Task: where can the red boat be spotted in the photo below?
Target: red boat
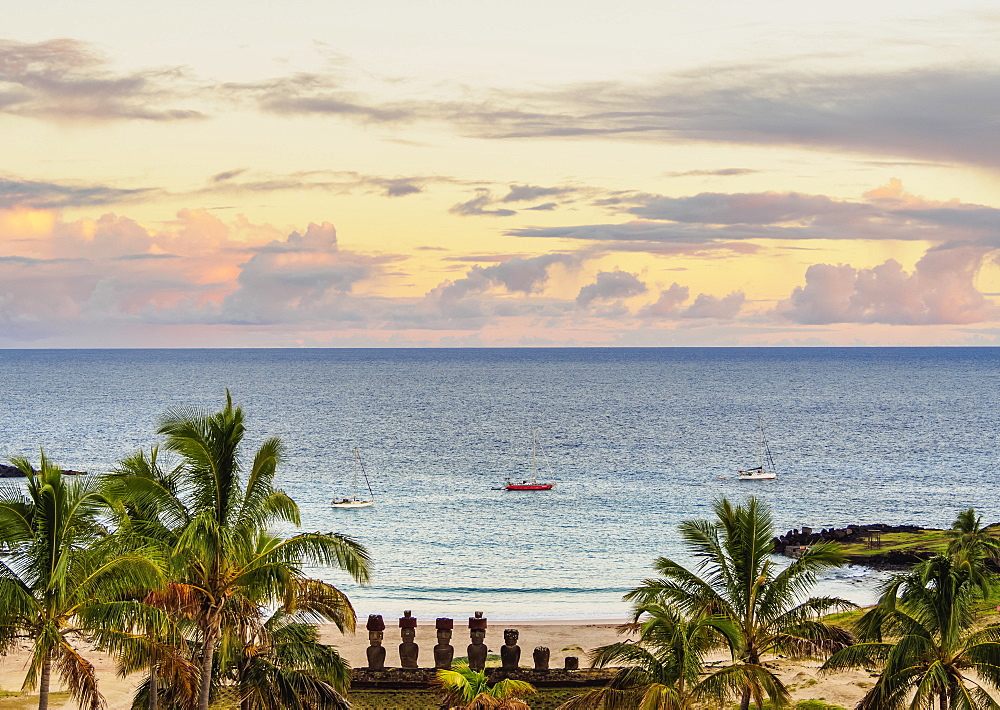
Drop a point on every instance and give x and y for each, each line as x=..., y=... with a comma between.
x=529, y=484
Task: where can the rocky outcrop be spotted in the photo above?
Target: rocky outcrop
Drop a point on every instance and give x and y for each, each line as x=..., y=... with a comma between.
x=849, y=534
x=7, y=471
x=794, y=542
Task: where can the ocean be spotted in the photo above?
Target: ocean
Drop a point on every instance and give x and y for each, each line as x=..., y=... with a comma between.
x=636, y=441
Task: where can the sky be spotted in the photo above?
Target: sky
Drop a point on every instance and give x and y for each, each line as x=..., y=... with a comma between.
x=470, y=174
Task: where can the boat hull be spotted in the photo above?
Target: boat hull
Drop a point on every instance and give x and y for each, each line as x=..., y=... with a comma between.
x=529, y=486
x=352, y=504
x=757, y=476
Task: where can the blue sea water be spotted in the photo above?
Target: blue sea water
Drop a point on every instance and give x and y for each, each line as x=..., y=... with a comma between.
x=637, y=440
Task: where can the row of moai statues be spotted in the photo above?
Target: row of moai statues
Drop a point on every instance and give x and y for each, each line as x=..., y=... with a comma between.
x=444, y=652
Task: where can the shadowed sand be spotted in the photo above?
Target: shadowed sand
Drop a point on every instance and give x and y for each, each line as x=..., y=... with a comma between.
x=844, y=688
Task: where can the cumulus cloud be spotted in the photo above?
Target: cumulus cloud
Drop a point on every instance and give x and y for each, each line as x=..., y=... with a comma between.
x=708, y=306
x=67, y=79
x=610, y=286
x=469, y=297
x=517, y=274
x=301, y=278
x=940, y=290
x=669, y=306
x=197, y=269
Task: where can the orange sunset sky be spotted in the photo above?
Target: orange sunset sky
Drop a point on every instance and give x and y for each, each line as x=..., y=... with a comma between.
x=221, y=174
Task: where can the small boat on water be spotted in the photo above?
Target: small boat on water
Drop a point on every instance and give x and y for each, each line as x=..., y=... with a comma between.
x=354, y=501
x=766, y=471
x=530, y=483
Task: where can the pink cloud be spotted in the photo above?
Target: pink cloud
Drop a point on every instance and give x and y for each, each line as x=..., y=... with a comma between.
x=669, y=306
x=610, y=286
x=940, y=290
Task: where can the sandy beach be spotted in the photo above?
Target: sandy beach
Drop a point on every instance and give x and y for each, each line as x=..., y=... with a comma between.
x=802, y=676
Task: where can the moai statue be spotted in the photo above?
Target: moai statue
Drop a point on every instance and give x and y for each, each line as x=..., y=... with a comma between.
x=444, y=652
x=541, y=656
x=572, y=663
x=376, y=653
x=407, y=649
x=510, y=652
x=477, y=649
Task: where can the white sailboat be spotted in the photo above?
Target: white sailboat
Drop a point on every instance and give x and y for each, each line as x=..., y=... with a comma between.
x=354, y=501
x=766, y=471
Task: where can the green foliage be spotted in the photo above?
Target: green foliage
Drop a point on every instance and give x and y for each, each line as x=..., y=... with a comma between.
x=472, y=690
x=659, y=671
x=66, y=577
x=921, y=634
x=800, y=705
x=752, y=605
x=212, y=515
x=492, y=659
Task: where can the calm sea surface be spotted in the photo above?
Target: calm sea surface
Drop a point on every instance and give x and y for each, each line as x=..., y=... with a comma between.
x=636, y=440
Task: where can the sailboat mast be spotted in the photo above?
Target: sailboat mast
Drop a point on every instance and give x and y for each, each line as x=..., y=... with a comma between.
x=354, y=478
x=534, y=453
x=367, y=482
x=361, y=465
x=761, y=445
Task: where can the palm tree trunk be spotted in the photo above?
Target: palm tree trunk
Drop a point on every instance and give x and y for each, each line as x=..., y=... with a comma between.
x=245, y=702
x=745, y=700
x=207, y=656
x=43, y=683
x=209, y=638
x=154, y=690
x=944, y=700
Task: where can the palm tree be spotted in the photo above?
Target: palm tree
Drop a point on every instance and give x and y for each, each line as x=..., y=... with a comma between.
x=65, y=578
x=281, y=665
x=751, y=602
x=921, y=635
x=971, y=546
x=658, y=671
x=471, y=690
x=161, y=651
x=216, y=522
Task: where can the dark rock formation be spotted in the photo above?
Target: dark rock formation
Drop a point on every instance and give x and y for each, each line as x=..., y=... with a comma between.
x=7, y=471
x=794, y=542
x=850, y=534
